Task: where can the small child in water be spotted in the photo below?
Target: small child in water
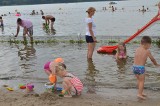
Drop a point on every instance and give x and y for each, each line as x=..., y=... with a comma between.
x=71, y=84
x=140, y=58
x=121, y=52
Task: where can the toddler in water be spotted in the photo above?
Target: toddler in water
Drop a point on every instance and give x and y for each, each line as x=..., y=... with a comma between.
x=121, y=52
x=140, y=58
x=71, y=84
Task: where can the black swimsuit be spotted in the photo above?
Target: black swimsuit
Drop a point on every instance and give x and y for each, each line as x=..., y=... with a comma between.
x=53, y=19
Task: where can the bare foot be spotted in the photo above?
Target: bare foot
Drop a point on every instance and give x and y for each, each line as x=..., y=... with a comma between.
x=68, y=96
x=145, y=95
x=141, y=97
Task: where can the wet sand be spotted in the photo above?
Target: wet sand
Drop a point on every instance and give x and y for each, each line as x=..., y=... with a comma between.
x=113, y=97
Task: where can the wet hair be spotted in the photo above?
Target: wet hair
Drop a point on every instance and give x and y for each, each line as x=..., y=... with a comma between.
x=43, y=17
x=60, y=67
x=90, y=9
x=19, y=20
x=146, y=40
x=123, y=44
x=0, y=17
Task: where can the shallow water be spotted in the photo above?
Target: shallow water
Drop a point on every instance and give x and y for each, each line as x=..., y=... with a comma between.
x=70, y=18
x=24, y=64
x=21, y=64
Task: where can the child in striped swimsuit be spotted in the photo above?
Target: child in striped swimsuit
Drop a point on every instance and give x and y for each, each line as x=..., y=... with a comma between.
x=71, y=84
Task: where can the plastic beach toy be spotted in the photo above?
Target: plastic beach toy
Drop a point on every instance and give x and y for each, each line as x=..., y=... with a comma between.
x=51, y=86
x=10, y=89
x=18, y=14
x=52, y=78
x=29, y=87
x=22, y=86
x=59, y=60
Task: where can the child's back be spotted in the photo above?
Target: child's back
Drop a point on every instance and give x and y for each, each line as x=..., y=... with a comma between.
x=141, y=56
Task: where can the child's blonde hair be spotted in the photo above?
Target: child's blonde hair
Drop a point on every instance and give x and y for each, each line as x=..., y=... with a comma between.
x=123, y=44
x=60, y=67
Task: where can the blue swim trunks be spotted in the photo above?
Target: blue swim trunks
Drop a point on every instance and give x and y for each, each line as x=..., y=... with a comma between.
x=138, y=69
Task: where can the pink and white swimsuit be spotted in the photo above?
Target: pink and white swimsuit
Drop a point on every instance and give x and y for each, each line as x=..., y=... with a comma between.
x=75, y=81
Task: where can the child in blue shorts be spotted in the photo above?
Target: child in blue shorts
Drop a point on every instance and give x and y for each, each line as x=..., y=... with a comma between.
x=140, y=58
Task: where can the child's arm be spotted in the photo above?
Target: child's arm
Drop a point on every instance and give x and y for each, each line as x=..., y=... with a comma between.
x=152, y=59
x=52, y=67
x=116, y=55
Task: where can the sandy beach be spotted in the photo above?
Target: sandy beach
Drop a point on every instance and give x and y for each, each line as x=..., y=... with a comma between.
x=107, y=82
x=118, y=98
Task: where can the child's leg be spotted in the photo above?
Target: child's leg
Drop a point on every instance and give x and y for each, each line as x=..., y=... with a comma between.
x=137, y=76
x=69, y=93
x=141, y=86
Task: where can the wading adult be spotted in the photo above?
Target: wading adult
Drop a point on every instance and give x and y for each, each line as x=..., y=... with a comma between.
x=90, y=32
x=49, y=18
x=28, y=28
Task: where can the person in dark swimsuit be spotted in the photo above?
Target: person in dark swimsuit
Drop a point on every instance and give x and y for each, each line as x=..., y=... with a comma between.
x=49, y=18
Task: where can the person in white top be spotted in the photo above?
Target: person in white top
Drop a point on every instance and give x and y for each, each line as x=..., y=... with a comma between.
x=28, y=28
x=90, y=32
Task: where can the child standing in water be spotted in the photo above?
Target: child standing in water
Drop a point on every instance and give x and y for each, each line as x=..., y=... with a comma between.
x=140, y=58
x=71, y=84
x=121, y=52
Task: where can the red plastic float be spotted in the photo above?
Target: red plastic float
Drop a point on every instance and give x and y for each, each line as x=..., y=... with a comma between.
x=111, y=49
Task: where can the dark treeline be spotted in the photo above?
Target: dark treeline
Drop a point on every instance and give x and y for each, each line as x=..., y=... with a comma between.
x=29, y=2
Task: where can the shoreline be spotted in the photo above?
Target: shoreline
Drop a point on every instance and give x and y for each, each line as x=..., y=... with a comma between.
x=112, y=97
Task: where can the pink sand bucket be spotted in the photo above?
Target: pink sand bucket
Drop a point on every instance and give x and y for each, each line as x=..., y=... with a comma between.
x=29, y=87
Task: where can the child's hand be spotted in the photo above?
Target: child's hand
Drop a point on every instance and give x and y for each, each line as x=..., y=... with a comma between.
x=63, y=92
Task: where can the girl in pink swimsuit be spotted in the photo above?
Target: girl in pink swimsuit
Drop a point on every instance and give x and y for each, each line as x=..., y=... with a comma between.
x=121, y=52
x=49, y=67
